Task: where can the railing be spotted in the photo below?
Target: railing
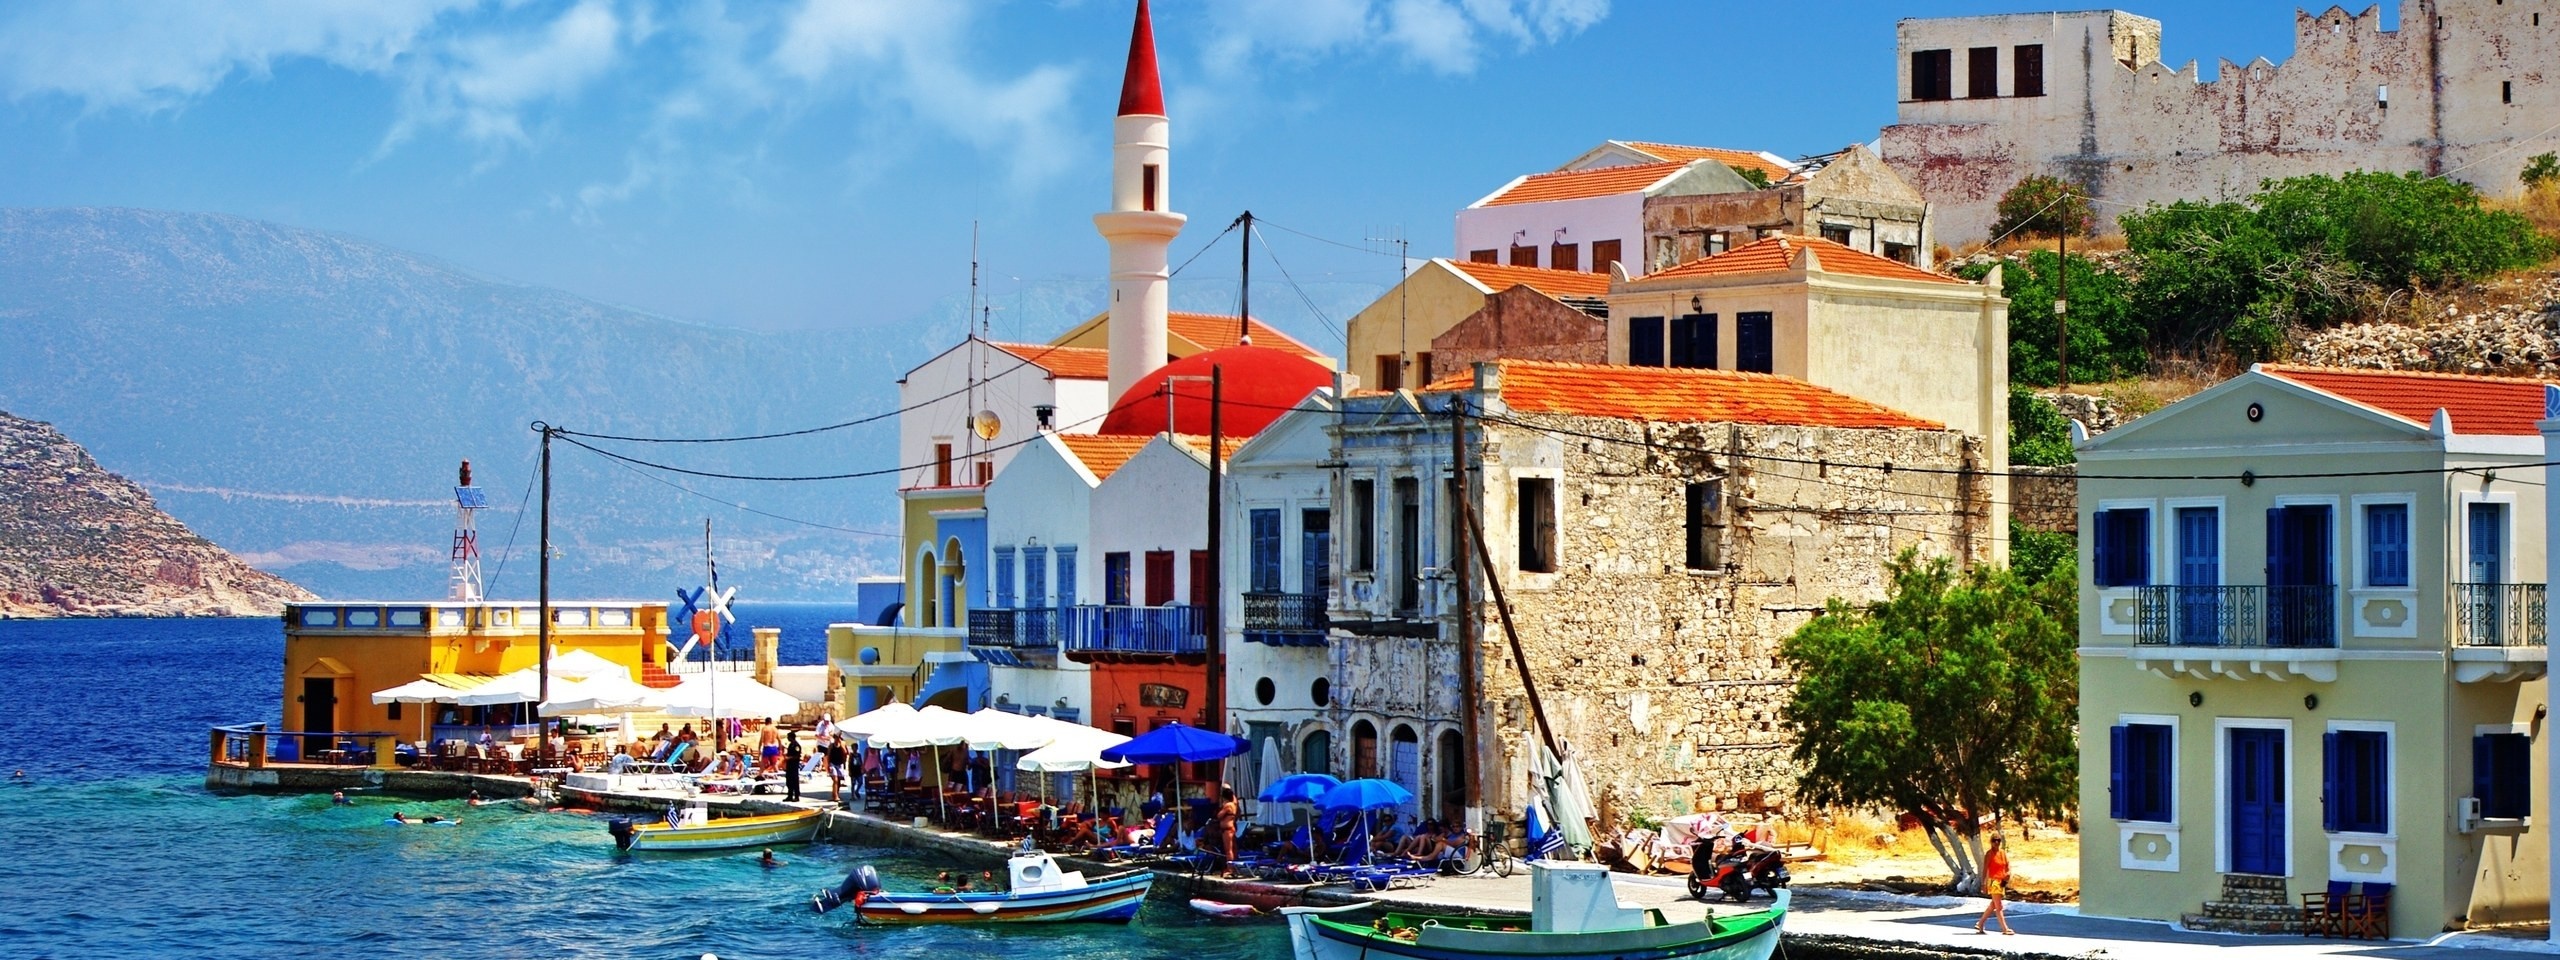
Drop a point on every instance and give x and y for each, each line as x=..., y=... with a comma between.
x=1285, y=612
x=1018, y=629
x=1166, y=631
x=2497, y=614
x=2288, y=617
x=255, y=746
x=722, y=665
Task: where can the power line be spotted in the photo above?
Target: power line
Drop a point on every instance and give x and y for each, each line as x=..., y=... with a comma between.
x=740, y=506
x=521, y=502
x=857, y=475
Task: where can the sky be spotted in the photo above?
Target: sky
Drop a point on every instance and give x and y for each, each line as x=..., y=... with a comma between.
x=822, y=164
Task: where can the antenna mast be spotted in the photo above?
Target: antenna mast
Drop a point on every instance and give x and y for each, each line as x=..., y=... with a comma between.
x=467, y=504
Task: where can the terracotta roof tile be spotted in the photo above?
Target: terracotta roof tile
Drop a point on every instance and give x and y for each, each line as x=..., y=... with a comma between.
x=1553, y=283
x=2478, y=405
x=1071, y=363
x=1214, y=331
x=1200, y=445
x=1777, y=254
x=1667, y=394
x=1582, y=184
x=1102, y=454
x=1732, y=158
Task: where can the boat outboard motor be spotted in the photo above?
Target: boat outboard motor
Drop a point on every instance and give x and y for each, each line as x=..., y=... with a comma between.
x=622, y=831
x=857, y=886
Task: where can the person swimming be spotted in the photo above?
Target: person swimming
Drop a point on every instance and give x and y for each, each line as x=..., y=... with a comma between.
x=404, y=820
x=769, y=860
x=339, y=799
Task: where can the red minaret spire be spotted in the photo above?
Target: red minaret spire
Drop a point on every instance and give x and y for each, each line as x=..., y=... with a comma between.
x=1140, y=93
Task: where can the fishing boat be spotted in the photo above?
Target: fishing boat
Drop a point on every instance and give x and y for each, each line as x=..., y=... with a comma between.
x=691, y=827
x=1038, y=892
x=1574, y=914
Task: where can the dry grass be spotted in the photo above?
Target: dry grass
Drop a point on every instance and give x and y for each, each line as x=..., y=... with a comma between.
x=2107, y=243
x=1860, y=850
x=2541, y=206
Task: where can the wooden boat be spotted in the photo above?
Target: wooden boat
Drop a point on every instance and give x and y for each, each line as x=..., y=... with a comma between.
x=1039, y=892
x=691, y=827
x=1574, y=915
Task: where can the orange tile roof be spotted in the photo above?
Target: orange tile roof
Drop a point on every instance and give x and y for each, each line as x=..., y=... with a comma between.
x=1732, y=158
x=1581, y=184
x=1200, y=445
x=1214, y=330
x=1072, y=363
x=1777, y=254
x=2478, y=405
x=1553, y=283
x=1682, y=396
x=1102, y=454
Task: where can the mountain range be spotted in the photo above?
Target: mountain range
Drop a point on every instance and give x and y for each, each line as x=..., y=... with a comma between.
x=304, y=397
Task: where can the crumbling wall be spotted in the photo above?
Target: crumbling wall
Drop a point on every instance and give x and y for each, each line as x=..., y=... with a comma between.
x=1522, y=324
x=1668, y=680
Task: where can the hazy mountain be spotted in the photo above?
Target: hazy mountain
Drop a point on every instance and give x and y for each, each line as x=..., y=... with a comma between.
x=303, y=397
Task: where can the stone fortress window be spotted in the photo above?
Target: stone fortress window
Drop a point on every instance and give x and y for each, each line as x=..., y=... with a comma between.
x=1705, y=525
x=1933, y=75
x=1537, y=506
x=1982, y=73
x=2026, y=71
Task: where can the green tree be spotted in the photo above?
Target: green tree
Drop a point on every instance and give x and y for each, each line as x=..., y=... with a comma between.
x=1952, y=699
x=1758, y=178
x=2040, y=556
x=2108, y=340
x=2543, y=169
x=2043, y=206
x=2039, y=435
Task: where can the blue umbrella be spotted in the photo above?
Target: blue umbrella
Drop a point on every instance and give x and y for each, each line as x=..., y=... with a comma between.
x=1365, y=794
x=1299, y=788
x=1177, y=743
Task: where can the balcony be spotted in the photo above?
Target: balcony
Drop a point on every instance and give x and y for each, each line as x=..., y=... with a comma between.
x=2496, y=614
x=1015, y=637
x=1285, y=619
x=2242, y=632
x=1121, y=633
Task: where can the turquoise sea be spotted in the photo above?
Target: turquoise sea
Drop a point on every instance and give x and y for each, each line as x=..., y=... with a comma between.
x=114, y=849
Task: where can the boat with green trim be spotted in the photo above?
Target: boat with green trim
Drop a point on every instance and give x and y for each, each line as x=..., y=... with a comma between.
x=1574, y=915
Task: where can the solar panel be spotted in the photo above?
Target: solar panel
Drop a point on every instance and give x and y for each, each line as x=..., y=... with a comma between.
x=470, y=497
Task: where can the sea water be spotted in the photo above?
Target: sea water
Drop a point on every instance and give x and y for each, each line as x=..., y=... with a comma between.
x=113, y=848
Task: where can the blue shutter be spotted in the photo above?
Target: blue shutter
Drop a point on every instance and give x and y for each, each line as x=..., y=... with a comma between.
x=1004, y=578
x=2386, y=544
x=2102, y=550
x=1067, y=576
x=2332, y=801
x=2484, y=765
x=2277, y=572
x=2119, y=780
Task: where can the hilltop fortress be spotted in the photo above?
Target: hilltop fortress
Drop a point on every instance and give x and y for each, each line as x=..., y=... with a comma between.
x=2462, y=88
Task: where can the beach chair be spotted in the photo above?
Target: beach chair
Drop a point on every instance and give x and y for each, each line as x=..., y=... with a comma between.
x=2324, y=914
x=1164, y=830
x=2368, y=914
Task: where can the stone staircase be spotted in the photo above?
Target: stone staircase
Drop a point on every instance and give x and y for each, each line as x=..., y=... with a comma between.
x=656, y=677
x=2249, y=904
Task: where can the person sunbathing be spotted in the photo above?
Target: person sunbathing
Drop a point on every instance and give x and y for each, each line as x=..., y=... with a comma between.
x=1424, y=845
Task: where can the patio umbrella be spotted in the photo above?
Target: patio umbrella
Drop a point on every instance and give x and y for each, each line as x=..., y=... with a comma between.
x=861, y=725
x=421, y=690
x=602, y=693
x=1178, y=743
x=1267, y=814
x=1365, y=794
x=1299, y=788
x=723, y=696
x=932, y=726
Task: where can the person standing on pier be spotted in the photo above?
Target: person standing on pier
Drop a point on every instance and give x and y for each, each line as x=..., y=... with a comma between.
x=791, y=766
x=1995, y=884
x=836, y=761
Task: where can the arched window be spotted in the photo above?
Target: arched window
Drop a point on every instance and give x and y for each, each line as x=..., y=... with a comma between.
x=1315, y=754
x=1451, y=760
x=1404, y=765
x=1364, y=749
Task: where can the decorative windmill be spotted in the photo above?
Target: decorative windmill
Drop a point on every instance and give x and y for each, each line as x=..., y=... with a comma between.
x=468, y=501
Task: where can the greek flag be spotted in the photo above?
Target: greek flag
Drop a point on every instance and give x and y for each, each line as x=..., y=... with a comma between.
x=1545, y=842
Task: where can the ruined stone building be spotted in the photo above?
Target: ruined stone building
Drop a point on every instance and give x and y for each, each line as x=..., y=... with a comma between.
x=1656, y=533
x=2461, y=88
x=1392, y=339
x=1852, y=198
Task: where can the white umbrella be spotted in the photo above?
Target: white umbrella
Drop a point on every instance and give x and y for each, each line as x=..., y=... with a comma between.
x=421, y=690
x=932, y=726
x=607, y=692
x=861, y=725
x=1073, y=752
x=1270, y=814
x=525, y=685
x=735, y=695
x=993, y=729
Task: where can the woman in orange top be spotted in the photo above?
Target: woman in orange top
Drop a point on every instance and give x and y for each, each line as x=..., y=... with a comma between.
x=1995, y=885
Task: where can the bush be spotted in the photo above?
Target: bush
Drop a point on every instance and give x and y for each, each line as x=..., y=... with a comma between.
x=2108, y=340
x=2039, y=435
x=2042, y=206
x=1758, y=178
x=2044, y=556
x=2310, y=251
x=2541, y=170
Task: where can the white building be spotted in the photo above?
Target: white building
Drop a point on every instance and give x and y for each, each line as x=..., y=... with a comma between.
x=1581, y=219
x=1278, y=546
x=1039, y=524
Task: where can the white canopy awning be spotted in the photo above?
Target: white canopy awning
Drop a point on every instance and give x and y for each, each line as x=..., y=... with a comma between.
x=732, y=695
x=1077, y=748
x=602, y=693
x=421, y=690
x=932, y=726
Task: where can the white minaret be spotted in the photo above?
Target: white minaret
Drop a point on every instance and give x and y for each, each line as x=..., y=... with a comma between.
x=1141, y=224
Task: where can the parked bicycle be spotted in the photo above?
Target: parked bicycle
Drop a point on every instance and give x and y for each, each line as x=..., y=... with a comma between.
x=1489, y=854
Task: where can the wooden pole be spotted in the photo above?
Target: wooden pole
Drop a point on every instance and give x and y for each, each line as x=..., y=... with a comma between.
x=1463, y=501
x=1519, y=659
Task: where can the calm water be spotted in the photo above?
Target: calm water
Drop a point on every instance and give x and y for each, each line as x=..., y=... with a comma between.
x=115, y=849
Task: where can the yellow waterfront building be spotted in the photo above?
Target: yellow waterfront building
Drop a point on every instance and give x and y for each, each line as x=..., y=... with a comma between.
x=337, y=654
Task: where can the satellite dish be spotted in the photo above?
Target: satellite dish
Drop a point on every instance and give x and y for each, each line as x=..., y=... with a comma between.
x=987, y=424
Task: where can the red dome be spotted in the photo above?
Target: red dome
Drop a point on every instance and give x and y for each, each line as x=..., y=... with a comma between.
x=1258, y=384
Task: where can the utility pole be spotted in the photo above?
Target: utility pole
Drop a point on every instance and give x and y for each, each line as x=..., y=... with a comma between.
x=1217, y=636
x=1468, y=695
x=2062, y=310
x=1244, y=292
x=543, y=650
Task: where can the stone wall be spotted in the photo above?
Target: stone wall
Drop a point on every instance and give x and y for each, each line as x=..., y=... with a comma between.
x=1668, y=680
x=2045, y=498
x=1521, y=324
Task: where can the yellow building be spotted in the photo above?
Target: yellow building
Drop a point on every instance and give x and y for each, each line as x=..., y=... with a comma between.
x=884, y=665
x=1390, y=339
x=336, y=655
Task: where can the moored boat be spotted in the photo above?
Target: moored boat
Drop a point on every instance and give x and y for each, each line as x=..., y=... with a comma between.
x=1575, y=914
x=1038, y=892
x=692, y=827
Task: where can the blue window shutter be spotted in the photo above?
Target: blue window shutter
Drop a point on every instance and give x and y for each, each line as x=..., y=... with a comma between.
x=2102, y=551
x=2331, y=800
x=2119, y=796
x=1004, y=578
x=2484, y=764
x=2138, y=524
x=2276, y=572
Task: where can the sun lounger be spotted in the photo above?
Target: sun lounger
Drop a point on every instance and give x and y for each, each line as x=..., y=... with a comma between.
x=671, y=764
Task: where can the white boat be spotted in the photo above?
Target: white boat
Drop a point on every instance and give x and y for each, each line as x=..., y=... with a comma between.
x=1574, y=915
x=1037, y=892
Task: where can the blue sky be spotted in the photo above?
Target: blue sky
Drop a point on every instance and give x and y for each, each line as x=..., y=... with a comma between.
x=818, y=163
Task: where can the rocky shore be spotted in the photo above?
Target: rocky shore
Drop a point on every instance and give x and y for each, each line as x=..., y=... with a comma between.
x=78, y=540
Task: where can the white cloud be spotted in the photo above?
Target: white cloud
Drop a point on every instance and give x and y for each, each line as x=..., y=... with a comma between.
x=481, y=83
x=915, y=58
x=116, y=55
x=1445, y=36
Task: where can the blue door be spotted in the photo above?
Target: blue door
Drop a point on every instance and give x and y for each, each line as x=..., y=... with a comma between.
x=2301, y=601
x=2199, y=575
x=2483, y=606
x=2257, y=783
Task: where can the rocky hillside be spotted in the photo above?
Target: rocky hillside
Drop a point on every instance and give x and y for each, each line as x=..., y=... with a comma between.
x=2510, y=327
x=77, y=540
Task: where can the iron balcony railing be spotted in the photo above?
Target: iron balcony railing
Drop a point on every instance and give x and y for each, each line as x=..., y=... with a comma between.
x=2289, y=617
x=2497, y=614
x=1165, y=631
x=1285, y=612
x=1017, y=629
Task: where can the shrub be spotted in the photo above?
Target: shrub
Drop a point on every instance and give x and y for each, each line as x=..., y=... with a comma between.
x=2043, y=206
x=2040, y=556
x=1758, y=178
x=2039, y=435
x=2541, y=170
x=2108, y=340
